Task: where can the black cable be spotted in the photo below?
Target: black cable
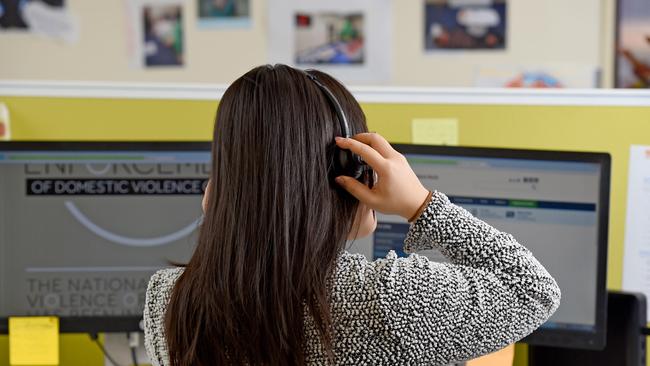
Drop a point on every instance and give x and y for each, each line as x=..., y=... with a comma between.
x=95, y=338
x=645, y=331
x=134, y=356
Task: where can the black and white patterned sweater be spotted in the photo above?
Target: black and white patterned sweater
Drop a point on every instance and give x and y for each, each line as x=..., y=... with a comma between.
x=412, y=311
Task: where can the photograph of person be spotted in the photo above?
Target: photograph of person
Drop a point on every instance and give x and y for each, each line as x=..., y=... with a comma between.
x=163, y=35
x=633, y=53
x=329, y=38
x=472, y=24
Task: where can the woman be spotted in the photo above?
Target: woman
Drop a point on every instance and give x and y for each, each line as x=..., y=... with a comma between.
x=270, y=282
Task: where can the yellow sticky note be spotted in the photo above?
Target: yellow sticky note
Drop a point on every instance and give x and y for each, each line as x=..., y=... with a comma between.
x=34, y=340
x=434, y=131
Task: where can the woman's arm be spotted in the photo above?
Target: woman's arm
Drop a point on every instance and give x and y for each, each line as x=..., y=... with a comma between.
x=492, y=294
x=415, y=311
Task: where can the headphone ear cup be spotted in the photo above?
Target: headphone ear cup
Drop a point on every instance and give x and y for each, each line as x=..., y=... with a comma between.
x=356, y=171
x=340, y=162
x=356, y=166
x=347, y=163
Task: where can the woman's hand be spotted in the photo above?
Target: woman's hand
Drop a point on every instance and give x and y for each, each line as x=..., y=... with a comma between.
x=397, y=191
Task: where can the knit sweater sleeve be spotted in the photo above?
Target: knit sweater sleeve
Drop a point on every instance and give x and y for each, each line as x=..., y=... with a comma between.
x=157, y=297
x=492, y=293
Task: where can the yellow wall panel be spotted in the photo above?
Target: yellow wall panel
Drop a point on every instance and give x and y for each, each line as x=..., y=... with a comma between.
x=109, y=119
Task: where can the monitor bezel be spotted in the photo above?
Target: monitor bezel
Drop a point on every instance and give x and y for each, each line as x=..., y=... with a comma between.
x=99, y=324
x=547, y=336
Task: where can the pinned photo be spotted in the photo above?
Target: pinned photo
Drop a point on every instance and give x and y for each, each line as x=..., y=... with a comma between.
x=329, y=38
x=14, y=13
x=162, y=35
x=224, y=13
x=350, y=40
x=464, y=24
x=633, y=53
x=47, y=18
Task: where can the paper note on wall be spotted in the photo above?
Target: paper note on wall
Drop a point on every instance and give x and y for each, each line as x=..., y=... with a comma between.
x=636, y=261
x=434, y=131
x=50, y=21
x=5, y=130
x=34, y=340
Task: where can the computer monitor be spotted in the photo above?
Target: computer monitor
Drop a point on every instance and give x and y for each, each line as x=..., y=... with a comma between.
x=83, y=226
x=554, y=203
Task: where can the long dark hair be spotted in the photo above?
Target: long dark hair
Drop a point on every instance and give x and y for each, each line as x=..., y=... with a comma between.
x=274, y=226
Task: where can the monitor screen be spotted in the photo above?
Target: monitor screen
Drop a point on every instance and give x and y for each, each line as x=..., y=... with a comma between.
x=83, y=226
x=553, y=203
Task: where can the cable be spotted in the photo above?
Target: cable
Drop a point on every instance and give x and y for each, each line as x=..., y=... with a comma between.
x=645, y=331
x=95, y=338
x=134, y=339
x=134, y=356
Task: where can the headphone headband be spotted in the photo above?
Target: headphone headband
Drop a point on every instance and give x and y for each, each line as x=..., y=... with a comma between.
x=343, y=120
x=345, y=162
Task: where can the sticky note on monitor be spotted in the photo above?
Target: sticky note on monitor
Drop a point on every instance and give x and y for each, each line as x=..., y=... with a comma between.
x=434, y=131
x=34, y=340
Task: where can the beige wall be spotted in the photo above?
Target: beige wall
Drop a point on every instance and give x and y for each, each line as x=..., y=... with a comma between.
x=577, y=33
x=216, y=56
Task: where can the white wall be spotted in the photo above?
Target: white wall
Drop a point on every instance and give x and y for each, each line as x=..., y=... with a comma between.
x=575, y=33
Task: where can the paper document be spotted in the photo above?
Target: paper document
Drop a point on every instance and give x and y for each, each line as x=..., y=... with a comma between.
x=50, y=21
x=636, y=262
x=34, y=340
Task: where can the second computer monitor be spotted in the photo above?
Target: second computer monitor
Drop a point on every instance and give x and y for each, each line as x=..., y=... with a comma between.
x=554, y=203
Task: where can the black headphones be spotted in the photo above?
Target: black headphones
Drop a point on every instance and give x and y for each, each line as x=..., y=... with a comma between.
x=345, y=162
